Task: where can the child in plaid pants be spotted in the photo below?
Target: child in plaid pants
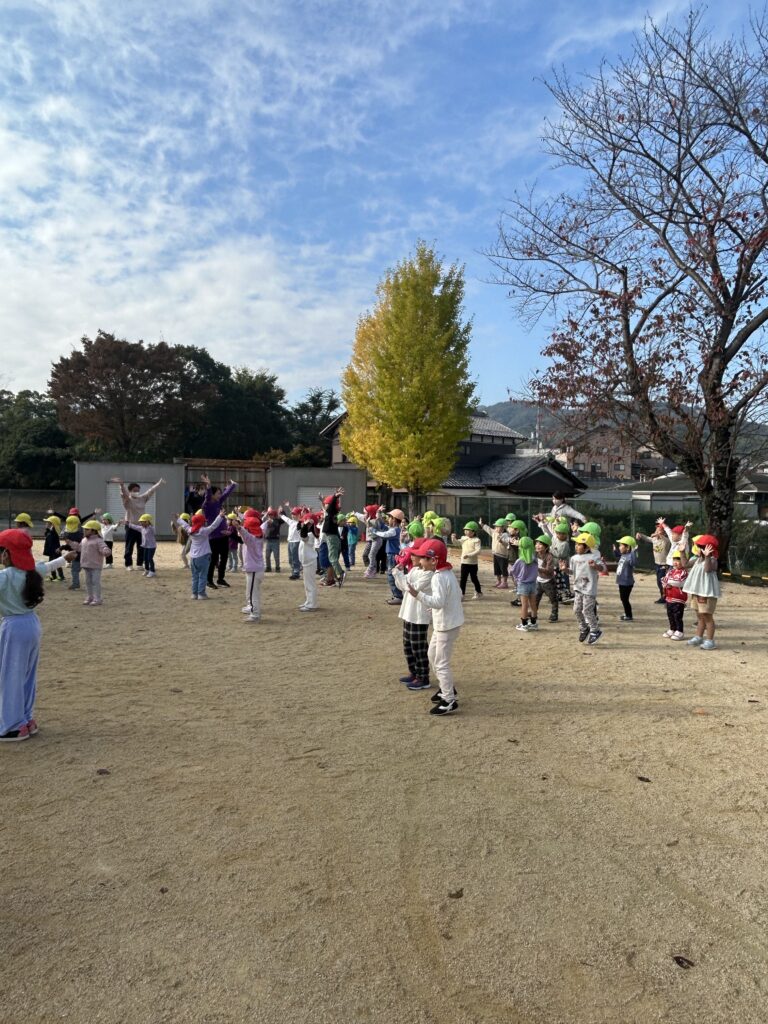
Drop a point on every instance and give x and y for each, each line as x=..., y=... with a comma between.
x=416, y=619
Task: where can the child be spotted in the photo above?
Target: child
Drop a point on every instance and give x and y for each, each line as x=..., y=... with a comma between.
x=233, y=539
x=369, y=519
x=108, y=528
x=23, y=522
x=271, y=525
x=353, y=536
x=524, y=573
x=182, y=538
x=470, y=552
x=373, y=526
x=677, y=536
x=391, y=535
x=585, y=566
x=21, y=590
x=415, y=616
x=200, y=550
x=341, y=522
x=661, y=548
x=516, y=530
x=308, y=535
x=52, y=546
x=293, y=540
x=148, y=542
x=625, y=573
x=251, y=533
x=93, y=551
x=70, y=541
x=704, y=587
x=560, y=549
x=500, y=550
x=545, y=577
x=444, y=600
x=675, y=597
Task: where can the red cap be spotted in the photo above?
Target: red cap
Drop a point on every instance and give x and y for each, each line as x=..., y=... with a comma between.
x=371, y=510
x=251, y=513
x=704, y=540
x=678, y=529
x=431, y=547
x=18, y=544
x=296, y=511
x=271, y=511
x=197, y=520
x=328, y=499
x=74, y=512
x=253, y=525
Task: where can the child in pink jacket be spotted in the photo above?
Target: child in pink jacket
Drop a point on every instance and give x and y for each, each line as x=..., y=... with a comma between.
x=93, y=551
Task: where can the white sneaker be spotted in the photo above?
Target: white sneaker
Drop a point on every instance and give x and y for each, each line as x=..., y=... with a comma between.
x=708, y=645
x=477, y=597
x=669, y=634
x=308, y=608
x=677, y=635
x=246, y=609
x=533, y=625
x=194, y=597
x=129, y=568
x=522, y=627
x=695, y=641
x=253, y=618
x=145, y=573
x=150, y=574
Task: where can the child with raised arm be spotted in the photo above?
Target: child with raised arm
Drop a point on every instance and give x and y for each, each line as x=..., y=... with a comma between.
x=444, y=600
x=675, y=597
x=251, y=533
x=108, y=529
x=545, y=577
x=415, y=616
x=704, y=587
x=71, y=536
x=199, y=550
x=499, y=550
x=21, y=591
x=308, y=536
x=93, y=551
x=52, y=546
x=293, y=521
x=559, y=533
x=661, y=548
x=148, y=542
x=585, y=568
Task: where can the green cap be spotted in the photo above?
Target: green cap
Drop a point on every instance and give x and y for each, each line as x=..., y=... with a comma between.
x=518, y=524
x=525, y=550
x=500, y=522
x=471, y=525
x=544, y=539
x=594, y=528
x=415, y=529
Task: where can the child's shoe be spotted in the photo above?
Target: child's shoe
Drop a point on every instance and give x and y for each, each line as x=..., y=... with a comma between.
x=522, y=627
x=194, y=597
x=504, y=585
x=436, y=698
x=87, y=600
x=627, y=618
x=677, y=635
x=407, y=679
x=33, y=727
x=16, y=735
x=95, y=601
x=583, y=634
x=150, y=574
x=669, y=634
x=253, y=618
x=708, y=645
x=418, y=684
x=533, y=626
x=477, y=595
x=246, y=609
x=696, y=641
x=516, y=603
x=444, y=709
x=497, y=586
x=203, y=597
x=553, y=617
x=594, y=636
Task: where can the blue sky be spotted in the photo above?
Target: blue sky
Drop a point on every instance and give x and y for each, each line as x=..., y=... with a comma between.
x=240, y=174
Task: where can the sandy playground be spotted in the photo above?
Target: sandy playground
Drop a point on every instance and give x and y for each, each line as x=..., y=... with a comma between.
x=223, y=823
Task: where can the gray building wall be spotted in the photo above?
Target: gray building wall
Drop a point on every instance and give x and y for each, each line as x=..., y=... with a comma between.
x=283, y=483
x=92, y=488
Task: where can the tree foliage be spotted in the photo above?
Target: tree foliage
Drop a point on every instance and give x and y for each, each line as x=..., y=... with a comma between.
x=34, y=451
x=655, y=264
x=407, y=389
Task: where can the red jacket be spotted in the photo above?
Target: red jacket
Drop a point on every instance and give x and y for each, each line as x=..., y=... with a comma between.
x=673, y=583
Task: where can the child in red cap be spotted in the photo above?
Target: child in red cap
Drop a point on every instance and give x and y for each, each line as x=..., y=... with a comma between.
x=199, y=550
x=21, y=590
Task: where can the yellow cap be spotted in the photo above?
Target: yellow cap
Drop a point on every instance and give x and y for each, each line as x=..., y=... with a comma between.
x=587, y=539
x=54, y=521
x=146, y=518
x=24, y=517
x=92, y=524
x=72, y=523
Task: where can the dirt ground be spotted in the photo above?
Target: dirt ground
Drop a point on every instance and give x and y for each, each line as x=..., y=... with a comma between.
x=223, y=823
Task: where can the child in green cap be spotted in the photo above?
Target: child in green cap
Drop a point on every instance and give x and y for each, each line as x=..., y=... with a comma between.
x=470, y=551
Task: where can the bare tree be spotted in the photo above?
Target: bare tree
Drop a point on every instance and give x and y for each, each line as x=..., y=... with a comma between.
x=654, y=266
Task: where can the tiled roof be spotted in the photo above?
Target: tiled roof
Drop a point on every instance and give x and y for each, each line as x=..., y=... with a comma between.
x=506, y=470
x=464, y=478
x=493, y=428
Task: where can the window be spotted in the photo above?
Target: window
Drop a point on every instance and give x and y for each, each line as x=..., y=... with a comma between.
x=579, y=466
x=619, y=467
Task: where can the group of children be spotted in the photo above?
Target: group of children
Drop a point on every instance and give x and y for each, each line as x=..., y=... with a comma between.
x=421, y=580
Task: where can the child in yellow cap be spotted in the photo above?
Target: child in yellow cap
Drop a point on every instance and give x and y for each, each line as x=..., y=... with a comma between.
x=71, y=536
x=93, y=551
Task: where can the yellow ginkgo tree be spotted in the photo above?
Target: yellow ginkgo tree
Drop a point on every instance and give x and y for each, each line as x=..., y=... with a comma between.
x=407, y=389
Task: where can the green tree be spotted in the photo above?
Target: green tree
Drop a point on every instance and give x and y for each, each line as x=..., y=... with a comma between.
x=34, y=451
x=407, y=389
x=308, y=418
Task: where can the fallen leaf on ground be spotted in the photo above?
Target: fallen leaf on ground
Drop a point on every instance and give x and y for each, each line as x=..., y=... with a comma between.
x=456, y=895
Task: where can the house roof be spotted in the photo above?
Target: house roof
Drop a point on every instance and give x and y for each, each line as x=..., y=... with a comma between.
x=480, y=425
x=677, y=483
x=511, y=471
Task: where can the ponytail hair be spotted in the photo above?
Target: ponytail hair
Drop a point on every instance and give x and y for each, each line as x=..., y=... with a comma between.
x=32, y=595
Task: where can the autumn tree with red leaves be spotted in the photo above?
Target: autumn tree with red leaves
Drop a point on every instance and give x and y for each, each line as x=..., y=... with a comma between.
x=654, y=267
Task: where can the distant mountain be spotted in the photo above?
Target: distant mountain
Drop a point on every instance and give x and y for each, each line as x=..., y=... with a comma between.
x=521, y=416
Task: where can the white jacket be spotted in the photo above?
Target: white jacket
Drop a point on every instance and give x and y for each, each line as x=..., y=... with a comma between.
x=444, y=599
x=412, y=610
x=307, y=553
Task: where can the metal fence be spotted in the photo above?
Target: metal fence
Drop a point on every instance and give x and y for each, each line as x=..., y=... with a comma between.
x=36, y=503
x=749, y=541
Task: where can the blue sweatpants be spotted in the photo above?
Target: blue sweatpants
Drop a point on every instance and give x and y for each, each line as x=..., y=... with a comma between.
x=19, y=652
x=200, y=573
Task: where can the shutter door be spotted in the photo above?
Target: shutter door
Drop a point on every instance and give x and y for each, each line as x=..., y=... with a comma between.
x=308, y=496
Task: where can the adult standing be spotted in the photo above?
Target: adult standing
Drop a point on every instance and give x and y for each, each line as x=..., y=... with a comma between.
x=195, y=499
x=135, y=505
x=219, y=540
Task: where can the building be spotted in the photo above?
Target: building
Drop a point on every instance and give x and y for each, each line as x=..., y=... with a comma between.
x=676, y=492
x=602, y=456
x=489, y=473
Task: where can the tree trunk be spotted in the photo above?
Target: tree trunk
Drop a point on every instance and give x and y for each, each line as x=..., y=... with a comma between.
x=719, y=499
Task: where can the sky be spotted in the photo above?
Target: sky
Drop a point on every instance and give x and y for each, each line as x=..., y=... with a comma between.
x=239, y=174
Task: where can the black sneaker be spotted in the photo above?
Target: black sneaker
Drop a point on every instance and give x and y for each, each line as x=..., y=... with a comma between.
x=444, y=709
x=594, y=636
x=553, y=618
x=342, y=578
x=223, y=583
x=516, y=603
x=627, y=618
x=211, y=586
x=583, y=634
x=662, y=600
x=437, y=699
